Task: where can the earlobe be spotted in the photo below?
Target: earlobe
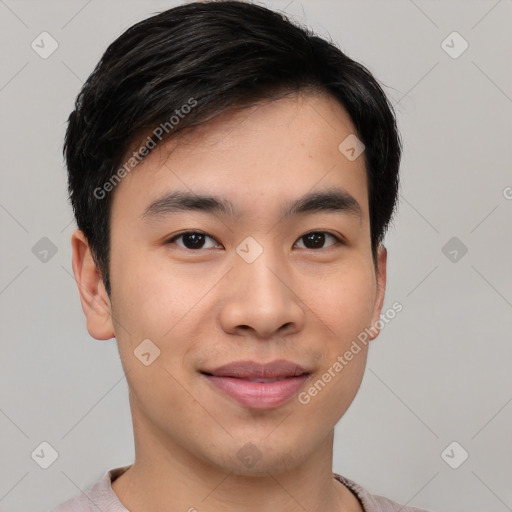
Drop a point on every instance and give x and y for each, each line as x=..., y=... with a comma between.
x=382, y=254
x=93, y=295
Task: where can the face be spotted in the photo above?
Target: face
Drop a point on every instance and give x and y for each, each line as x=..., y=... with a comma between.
x=206, y=286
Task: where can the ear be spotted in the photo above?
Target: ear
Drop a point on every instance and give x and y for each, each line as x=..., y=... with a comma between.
x=382, y=255
x=93, y=295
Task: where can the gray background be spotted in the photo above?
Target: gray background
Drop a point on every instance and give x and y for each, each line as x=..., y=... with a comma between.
x=438, y=373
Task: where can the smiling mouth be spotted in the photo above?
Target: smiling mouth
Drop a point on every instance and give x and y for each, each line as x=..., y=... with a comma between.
x=257, y=392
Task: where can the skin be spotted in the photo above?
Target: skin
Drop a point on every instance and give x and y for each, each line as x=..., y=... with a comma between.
x=207, y=307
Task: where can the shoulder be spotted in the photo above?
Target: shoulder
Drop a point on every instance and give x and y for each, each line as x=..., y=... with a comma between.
x=98, y=496
x=374, y=502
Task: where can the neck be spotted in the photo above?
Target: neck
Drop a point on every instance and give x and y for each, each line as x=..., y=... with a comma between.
x=165, y=476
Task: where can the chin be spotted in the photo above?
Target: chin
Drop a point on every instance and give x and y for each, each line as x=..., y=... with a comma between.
x=254, y=460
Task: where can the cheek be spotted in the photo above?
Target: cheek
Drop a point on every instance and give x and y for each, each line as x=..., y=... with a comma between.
x=149, y=301
x=148, y=306
x=146, y=300
x=346, y=308
x=331, y=391
x=346, y=301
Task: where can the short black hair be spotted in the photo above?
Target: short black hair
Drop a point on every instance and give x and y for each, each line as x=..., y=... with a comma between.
x=213, y=56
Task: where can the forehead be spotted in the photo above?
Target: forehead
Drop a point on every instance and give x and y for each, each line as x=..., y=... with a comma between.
x=267, y=154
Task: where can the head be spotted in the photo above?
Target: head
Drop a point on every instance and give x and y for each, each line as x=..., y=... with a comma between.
x=237, y=113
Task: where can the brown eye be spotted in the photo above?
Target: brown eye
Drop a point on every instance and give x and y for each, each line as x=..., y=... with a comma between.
x=316, y=239
x=192, y=240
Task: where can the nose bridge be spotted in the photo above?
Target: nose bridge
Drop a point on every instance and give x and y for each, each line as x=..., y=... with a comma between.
x=259, y=295
x=262, y=270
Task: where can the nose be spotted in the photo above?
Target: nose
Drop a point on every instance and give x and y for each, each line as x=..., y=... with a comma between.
x=261, y=300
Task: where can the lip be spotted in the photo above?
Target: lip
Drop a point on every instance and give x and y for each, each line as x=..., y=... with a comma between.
x=254, y=370
x=237, y=380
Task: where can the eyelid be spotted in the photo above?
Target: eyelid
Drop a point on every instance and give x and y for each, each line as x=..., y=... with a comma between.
x=188, y=232
x=339, y=239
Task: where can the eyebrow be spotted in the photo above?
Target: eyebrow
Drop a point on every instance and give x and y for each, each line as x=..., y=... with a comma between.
x=334, y=200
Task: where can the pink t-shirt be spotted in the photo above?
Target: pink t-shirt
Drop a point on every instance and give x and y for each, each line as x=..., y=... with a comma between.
x=100, y=496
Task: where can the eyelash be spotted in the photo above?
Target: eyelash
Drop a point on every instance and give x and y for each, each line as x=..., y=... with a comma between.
x=338, y=239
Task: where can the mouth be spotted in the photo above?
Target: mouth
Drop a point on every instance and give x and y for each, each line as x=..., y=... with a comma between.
x=257, y=379
x=257, y=385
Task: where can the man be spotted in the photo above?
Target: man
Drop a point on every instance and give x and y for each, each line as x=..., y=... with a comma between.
x=232, y=177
